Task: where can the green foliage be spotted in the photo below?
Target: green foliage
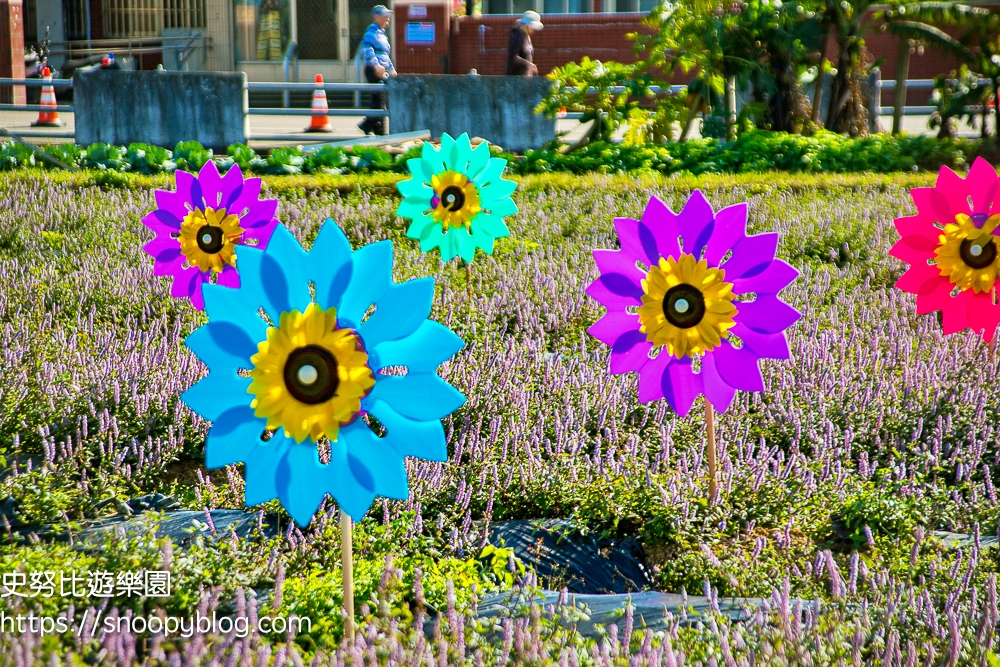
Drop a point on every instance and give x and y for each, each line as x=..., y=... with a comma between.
x=246, y=158
x=881, y=508
x=284, y=161
x=105, y=156
x=149, y=159
x=326, y=160
x=191, y=155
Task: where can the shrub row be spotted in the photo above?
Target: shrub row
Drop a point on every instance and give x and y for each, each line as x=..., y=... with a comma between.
x=751, y=152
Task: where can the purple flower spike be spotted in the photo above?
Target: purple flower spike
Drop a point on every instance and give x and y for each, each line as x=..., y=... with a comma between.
x=692, y=303
x=199, y=226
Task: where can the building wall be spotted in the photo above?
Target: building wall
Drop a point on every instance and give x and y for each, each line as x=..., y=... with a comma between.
x=219, y=25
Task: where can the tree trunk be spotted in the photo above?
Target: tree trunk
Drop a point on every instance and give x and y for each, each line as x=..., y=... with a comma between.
x=820, y=75
x=690, y=119
x=899, y=98
x=730, y=108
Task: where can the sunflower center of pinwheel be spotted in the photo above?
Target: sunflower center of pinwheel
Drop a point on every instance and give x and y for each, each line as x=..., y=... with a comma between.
x=310, y=375
x=967, y=254
x=687, y=306
x=453, y=198
x=455, y=201
x=978, y=254
x=684, y=306
x=210, y=239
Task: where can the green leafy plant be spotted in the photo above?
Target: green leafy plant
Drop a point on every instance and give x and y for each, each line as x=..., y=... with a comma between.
x=149, y=159
x=191, y=155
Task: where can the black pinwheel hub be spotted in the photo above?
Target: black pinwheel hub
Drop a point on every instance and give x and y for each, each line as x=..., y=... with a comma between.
x=210, y=239
x=684, y=306
x=453, y=198
x=978, y=255
x=311, y=374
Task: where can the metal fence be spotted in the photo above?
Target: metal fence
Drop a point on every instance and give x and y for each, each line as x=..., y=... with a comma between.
x=356, y=110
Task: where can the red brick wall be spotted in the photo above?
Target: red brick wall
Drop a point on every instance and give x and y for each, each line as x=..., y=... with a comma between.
x=565, y=38
x=418, y=58
x=12, y=50
x=568, y=37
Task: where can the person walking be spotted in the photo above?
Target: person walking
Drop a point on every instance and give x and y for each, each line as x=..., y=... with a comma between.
x=520, y=54
x=378, y=65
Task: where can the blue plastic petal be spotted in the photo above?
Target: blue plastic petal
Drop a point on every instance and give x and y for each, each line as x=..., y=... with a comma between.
x=330, y=264
x=261, y=465
x=225, y=304
x=222, y=346
x=478, y=160
x=450, y=153
x=398, y=312
x=217, y=392
x=491, y=224
x=273, y=286
x=370, y=460
x=232, y=436
x=414, y=187
x=418, y=168
x=301, y=482
x=351, y=495
x=482, y=240
x=433, y=160
x=414, y=207
x=418, y=228
x=464, y=244
x=422, y=439
x=420, y=396
x=370, y=278
x=500, y=189
x=502, y=207
x=423, y=351
x=492, y=172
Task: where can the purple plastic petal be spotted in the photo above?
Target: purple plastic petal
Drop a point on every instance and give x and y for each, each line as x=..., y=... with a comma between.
x=651, y=377
x=730, y=228
x=765, y=346
x=637, y=241
x=615, y=291
x=663, y=223
x=695, y=223
x=767, y=315
x=211, y=185
x=186, y=281
x=681, y=386
x=718, y=393
x=629, y=352
x=189, y=190
x=751, y=256
x=229, y=277
x=612, y=325
x=771, y=280
x=738, y=367
x=620, y=262
x=162, y=222
x=172, y=203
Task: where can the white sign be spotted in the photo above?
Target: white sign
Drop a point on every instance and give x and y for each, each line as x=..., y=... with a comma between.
x=417, y=12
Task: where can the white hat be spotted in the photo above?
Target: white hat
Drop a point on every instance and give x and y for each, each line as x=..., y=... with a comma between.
x=532, y=19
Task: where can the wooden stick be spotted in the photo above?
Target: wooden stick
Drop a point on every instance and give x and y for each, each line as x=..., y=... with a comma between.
x=347, y=561
x=713, y=485
x=468, y=275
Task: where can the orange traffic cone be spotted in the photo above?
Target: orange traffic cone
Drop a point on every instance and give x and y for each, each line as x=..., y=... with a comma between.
x=48, y=118
x=320, y=122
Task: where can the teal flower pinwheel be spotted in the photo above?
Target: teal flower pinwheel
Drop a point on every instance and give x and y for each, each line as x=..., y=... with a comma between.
x=297, y=355
x=456, y=199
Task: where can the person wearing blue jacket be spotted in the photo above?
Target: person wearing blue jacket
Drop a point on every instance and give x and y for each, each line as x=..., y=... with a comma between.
x=378, y=65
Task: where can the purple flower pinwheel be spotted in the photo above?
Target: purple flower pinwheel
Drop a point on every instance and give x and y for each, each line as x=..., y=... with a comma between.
x=692, y=303
x=199, y=226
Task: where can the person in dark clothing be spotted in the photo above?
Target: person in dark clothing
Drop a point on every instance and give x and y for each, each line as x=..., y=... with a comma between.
x=520, y=54
x=378, y=66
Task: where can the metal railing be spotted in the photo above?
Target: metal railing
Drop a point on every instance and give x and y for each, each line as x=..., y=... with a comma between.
x=915, y=84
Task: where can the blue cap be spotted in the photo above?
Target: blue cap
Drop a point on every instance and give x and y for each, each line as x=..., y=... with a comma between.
x=381, y=10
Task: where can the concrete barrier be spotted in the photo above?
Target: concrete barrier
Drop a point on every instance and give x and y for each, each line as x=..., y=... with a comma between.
x=499, y=109
x=161, y=108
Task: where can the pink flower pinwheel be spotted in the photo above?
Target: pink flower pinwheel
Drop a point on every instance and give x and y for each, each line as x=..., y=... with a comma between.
x=199, y=226
x=676, y=319
x=951, y=246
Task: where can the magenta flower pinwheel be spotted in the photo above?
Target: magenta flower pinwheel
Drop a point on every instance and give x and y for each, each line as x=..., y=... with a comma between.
x=340, y=341
x=951, y=247
x=674, y=313
x=199, y=226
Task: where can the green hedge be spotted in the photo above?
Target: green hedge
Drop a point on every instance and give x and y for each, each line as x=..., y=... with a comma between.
x=752, y=152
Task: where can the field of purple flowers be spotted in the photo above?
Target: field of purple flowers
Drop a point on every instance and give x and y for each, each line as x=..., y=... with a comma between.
x=835, y=483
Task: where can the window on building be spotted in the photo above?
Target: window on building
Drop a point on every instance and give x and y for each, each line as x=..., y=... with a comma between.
x=319, y=33
x=626, y=6
x=263, y=29
x=568, y=6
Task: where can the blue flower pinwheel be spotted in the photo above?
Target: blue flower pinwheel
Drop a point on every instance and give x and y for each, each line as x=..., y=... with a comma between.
x=337, y=337
x=456, y=199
